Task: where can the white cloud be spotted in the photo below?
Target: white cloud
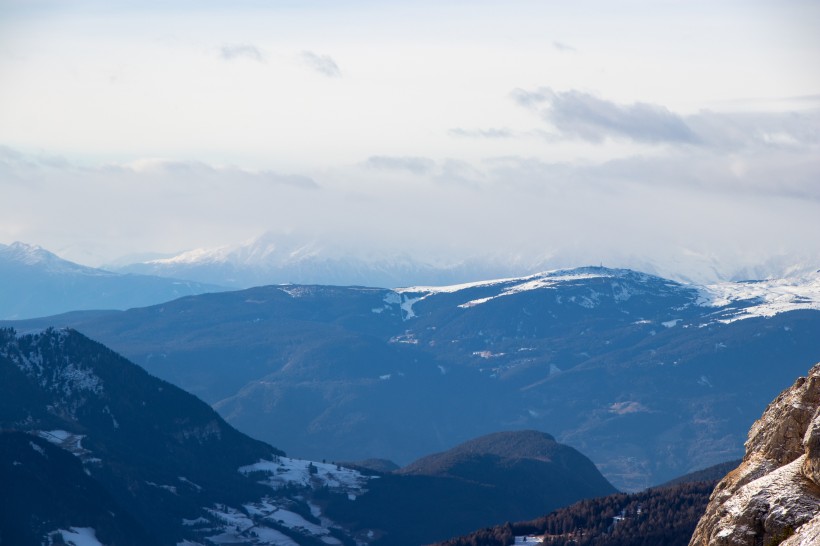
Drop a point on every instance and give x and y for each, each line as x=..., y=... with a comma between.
x=232, y=52
x=415, y=165
x=582, y=115
x=577, y=115
x=564, y=48
x=492, y=132
x=323, y=64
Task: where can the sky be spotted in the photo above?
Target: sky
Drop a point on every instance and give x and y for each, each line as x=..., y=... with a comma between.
x=628, y=133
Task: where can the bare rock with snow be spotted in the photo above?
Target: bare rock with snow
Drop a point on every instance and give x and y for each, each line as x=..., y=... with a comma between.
x=773, y=497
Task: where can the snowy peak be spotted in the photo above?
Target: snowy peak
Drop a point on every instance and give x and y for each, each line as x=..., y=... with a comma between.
x=22, y=254
x=267, y=250
x=39, y=283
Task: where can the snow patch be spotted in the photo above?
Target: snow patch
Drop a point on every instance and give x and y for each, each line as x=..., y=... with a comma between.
x=625, y=408
x=67, y=440
x=80, y=536
x=38, y=449
x=547, y=279
x=188, y=482
x=764, y=298
x=529, y=539
x=407, y=306
x=296, y=291
x=285, y=471
x=169, y=488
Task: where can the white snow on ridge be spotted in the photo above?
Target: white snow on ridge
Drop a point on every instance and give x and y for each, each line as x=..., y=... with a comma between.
x=530, y=282
x=546, y=279
x=763, y=298
x=541, y=281
x=198, y=255
x=449, y=289
x=747, y=299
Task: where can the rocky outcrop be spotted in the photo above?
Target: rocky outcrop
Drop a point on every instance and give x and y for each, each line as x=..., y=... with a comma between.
x=773, y=497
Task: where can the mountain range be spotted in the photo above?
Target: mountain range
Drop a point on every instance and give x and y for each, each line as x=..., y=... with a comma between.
x=276, y=258
x=648, y=377
x=95, y=450
x=36, y=282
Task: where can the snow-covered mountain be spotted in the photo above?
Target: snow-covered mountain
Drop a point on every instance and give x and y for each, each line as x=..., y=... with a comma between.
x=35, y=282
x=278, y=259
x=292, y=258
x=24, y=255
x=730, y=300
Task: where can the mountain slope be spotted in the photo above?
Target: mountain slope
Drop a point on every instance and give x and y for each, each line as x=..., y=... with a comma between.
x=648, y=377
x=46, y=493
x=35, y=283
x=93, y=447
x=146, y=449
x=662, y=515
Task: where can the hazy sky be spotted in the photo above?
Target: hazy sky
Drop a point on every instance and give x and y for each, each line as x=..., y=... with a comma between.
x=623, y=131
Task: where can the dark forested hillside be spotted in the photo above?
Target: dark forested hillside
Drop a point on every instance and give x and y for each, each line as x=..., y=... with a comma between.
x=45, y=490
x=494, y=478
x=664, y=515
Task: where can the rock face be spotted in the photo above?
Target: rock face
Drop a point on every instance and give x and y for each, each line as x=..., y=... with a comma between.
x=773, y=497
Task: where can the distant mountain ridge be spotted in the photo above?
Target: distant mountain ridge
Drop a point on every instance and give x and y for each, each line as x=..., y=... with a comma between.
x=648, y=377
x=276, y=258
x=36, y=282
x=282, y=259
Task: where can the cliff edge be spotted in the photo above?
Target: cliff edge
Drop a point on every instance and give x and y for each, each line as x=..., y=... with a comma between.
x=773, y=497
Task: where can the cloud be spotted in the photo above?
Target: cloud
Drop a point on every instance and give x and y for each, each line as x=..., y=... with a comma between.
x=581, y=115
x=323, y=64
x=577, y=115
x=560, y=46
x=415, y=165
x=230, y=52
x=148, y=204
x=481, y=133
x=755, y=130
x=203, y=171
